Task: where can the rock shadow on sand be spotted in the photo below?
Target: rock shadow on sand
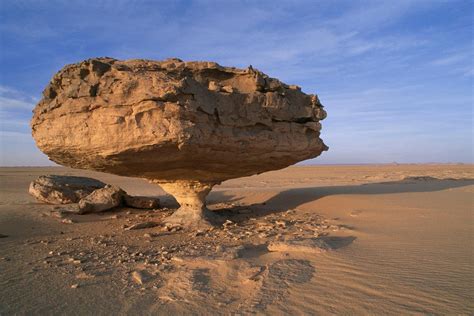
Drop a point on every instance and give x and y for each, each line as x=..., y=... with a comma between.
x=293, y=198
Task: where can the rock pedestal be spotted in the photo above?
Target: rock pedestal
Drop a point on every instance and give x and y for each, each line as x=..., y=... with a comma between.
x=191, y=196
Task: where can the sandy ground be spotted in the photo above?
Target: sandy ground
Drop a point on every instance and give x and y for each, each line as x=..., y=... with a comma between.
x=347, y=240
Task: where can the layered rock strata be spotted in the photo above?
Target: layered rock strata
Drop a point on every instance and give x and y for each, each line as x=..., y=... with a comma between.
x=92, y=195
x=55, y=189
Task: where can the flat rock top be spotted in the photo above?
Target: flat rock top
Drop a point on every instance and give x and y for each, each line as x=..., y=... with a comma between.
x=172, y=80
x=56, y=189
x=72, y=182
x=168, y=120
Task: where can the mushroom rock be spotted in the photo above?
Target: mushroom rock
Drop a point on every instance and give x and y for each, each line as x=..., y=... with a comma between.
x=186, y=126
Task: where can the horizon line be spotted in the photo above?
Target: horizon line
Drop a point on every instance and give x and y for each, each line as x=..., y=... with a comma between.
x=295, y=165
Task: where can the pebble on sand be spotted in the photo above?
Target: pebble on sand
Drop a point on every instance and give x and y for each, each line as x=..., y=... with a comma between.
x=140, y=277
x=142, y=225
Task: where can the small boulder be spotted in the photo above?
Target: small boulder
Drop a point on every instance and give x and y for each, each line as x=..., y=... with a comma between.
x=142, y=202
x=141, y=276
x=55, y=189
x=101, y=200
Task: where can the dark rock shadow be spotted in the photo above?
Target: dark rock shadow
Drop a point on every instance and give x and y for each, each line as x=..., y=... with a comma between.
x=293, y=198
x=252, y=250
x=336, y=242
x=168, y=201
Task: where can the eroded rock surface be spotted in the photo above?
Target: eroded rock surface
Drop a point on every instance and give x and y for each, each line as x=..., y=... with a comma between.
x=91, y=195
x=142, y=202
x=55, y=189
x=101, y=200
x=184, y=125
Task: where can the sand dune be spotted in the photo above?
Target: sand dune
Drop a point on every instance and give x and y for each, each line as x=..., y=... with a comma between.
x=388, y=239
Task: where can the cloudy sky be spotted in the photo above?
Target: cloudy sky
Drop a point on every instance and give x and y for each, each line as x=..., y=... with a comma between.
x=396, y=77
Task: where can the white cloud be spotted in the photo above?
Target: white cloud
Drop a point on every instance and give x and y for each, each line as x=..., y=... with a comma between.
x=468, y=72
x=15, y=114
x=452, y=59
x=10, y=103
x=13, y=99
x=373, y=15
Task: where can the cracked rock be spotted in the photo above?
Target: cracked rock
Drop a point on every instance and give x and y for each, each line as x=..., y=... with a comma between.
x=101, y=200
x=55, y=189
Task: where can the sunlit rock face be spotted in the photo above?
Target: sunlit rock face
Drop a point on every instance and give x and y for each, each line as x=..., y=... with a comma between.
x=187, y=125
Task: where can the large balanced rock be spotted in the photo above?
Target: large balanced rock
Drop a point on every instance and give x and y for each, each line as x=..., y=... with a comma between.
x=184, y=125
x=55, y=189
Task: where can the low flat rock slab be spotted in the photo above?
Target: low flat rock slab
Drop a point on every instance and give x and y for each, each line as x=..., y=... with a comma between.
x=141, y=202
x=56, y=189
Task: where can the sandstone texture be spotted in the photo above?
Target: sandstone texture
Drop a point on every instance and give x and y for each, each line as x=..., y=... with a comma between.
x=143, y=202
x=184, y=125
x=91, y=195
x=55, y=189
x=101, y=200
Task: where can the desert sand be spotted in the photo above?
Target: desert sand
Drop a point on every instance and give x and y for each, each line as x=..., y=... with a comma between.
x=374, y=239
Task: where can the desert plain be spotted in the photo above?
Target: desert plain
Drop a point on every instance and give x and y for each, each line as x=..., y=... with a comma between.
x=306, y=240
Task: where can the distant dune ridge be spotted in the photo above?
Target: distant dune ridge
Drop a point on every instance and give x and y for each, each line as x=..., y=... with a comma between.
x=184, y=125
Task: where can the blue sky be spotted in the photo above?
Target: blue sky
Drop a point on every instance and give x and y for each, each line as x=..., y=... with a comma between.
x=396, y=77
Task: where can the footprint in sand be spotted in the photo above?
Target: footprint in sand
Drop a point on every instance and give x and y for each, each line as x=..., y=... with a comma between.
x=281, y=275
x=200, y=280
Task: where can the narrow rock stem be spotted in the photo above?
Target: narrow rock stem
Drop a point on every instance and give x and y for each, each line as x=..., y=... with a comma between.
x=191, y=196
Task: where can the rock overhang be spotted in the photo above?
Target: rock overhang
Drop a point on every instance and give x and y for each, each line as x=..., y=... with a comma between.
x=175, y=120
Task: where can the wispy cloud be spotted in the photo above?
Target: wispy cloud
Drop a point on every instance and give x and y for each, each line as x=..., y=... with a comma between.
x=11, y=103
x=13, y=99
x=15, y=112
x=454, y=58
x=17, y=146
